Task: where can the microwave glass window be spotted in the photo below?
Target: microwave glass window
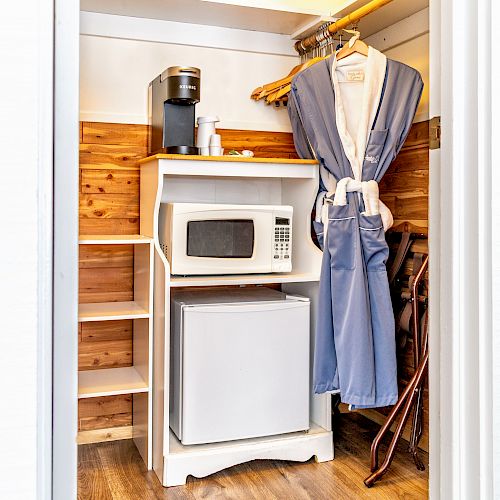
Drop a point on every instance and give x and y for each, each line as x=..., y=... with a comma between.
x=220, y=238
x=282, y=221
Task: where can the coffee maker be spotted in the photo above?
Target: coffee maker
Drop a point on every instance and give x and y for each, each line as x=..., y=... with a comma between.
x=172, y=97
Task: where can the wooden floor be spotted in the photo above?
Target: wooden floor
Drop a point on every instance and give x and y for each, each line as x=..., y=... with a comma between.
x=116, y=471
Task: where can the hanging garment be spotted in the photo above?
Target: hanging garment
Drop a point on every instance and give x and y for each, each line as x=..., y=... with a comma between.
x=353, y=116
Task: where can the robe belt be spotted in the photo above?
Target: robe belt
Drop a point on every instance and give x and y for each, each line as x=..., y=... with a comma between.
x=370, y=192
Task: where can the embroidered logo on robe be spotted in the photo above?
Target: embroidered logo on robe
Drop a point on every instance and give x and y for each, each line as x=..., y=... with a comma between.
x=372, y=159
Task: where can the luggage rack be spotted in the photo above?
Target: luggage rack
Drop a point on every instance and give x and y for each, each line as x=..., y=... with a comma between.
x=412, y=398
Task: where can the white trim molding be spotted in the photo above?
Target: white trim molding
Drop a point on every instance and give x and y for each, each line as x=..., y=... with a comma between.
x=199, y=35
x=493, y=42
x=462, y=226
x=65, y=308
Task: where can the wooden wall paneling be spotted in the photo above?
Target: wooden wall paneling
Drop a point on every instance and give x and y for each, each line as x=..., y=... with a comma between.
x=414, y=181
x=104, y=412
x=109, y=226
x=109, y=204
x=105, y=421
x=102, y=435
x=95, y=256
x=92, y=297
x=116, y=205
x=110, y=181
x=111, y=156
x=106, y=405
x=106, y=330
x=412, y=207
x=105, y=354
x=115, y=133
x=411, y=159
x=263, y=144
x=114, y=283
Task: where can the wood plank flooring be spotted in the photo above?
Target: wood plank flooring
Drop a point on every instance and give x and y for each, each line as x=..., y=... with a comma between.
x=115, y=471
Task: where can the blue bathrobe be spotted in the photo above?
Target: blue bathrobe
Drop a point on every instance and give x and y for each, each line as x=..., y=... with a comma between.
x=353, y=116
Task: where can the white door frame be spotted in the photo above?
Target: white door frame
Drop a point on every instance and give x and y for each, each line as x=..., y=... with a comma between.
x=462, y=354
x=65, y=309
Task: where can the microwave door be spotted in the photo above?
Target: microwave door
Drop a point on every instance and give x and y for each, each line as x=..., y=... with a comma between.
x=224, y=242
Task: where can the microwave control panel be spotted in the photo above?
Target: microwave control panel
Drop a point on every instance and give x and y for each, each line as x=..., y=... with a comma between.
x=282, y=245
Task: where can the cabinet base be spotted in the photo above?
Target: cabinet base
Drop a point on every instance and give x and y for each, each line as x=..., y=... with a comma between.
x=203, y=460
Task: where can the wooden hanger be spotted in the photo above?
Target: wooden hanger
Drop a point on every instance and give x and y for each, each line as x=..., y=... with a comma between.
x=277, y=88
x=355, y=45
x=284, y=89
x=256, y=94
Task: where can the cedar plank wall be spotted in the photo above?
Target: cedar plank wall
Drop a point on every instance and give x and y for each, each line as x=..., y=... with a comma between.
x=109, y=204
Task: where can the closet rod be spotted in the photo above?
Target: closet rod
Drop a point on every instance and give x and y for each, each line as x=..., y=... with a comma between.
x=313, y=40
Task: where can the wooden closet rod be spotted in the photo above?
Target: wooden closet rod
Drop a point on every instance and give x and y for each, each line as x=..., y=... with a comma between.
x=312, y=41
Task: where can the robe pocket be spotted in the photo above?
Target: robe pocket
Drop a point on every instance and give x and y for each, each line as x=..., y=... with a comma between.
x=374, y=148
x=342, y=237
x=375, y=248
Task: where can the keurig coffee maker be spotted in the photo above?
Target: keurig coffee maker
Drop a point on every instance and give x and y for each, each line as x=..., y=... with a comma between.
x=172, y=99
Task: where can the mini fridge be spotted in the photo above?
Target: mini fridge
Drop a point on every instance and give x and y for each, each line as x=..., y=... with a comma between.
x=239, y=364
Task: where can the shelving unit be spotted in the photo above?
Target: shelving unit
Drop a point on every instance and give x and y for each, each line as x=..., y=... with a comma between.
x=136, y=379
x=173, y=178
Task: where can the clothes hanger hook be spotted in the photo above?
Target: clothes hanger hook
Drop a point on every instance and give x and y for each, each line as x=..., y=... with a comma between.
x=355, y=36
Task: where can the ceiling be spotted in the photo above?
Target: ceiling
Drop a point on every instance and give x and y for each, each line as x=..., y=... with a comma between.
x=285, y=16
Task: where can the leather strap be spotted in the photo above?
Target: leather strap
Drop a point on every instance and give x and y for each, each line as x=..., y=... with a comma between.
x=418, y=259
x=403, y=248
x=405, y=317
x=404, y=321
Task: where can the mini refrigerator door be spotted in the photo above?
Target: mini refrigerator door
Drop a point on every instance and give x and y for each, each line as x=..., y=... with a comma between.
x=244, y=370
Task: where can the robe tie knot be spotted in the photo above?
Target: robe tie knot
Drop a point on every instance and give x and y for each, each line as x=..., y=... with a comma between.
x=370, y=193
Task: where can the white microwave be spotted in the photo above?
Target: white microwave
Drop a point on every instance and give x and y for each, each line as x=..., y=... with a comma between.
x=205, y=238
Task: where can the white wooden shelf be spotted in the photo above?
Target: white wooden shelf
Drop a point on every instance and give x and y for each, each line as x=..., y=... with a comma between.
x=231, y=167
x=242, y=279
x=271, y=17
x=108, y=311
x=113, y=239
x=110, y=382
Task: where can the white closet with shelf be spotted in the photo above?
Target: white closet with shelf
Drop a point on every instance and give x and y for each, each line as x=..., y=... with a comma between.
x=168, y=178
x=136, y=379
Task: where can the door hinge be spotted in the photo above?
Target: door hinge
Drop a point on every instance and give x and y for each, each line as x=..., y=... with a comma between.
x=435, y=132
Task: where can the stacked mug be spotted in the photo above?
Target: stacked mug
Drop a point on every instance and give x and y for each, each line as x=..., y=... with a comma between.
x=207, y=140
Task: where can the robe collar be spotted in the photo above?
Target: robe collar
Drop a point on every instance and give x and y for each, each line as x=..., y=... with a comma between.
x=355, y=147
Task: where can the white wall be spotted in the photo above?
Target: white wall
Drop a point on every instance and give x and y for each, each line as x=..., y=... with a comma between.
x=26, y=28
x=115, y=73
x=120, y=56
x=408, y=42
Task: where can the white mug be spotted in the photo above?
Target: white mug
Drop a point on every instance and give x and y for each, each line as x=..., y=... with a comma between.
x=215, y=140
x=216, y=151
x=206, y=128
